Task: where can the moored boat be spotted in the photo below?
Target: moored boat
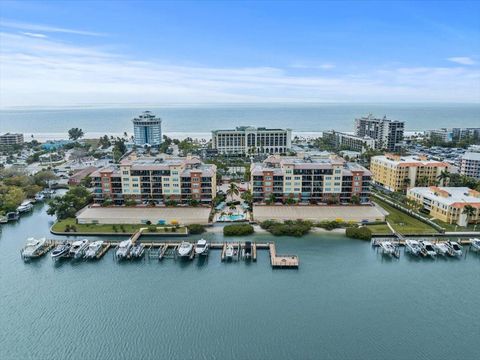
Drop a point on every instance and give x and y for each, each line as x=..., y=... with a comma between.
x=3, y=219
x=77, y=250
x=387, y=248
x=123, y=249
x=455, y=249
x=33, y=247
x=428, y=249
x=61, y=250
x=441, y=248
x=475, y=244
x=201, y=248
x=13, y=216
x=247, y=250
x=184, y=249
x=229, y=251
x=39, y=197
x=93, y=249
x=137, y=250
x=25, y=206
x=412, y=247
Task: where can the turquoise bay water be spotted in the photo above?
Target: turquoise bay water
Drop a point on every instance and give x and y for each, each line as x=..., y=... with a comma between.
x=344, y=302
x=204, y=118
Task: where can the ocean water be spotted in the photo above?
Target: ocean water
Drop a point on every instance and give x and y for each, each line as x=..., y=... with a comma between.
x=344, y=302
x=202, y=119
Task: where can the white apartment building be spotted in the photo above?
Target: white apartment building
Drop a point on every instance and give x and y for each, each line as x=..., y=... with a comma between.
x=246, y=140
x=470, y=164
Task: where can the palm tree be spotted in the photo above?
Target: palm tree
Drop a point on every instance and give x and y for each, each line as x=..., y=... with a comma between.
x=232, y=190
x=271, y=199
x=422, y=181
x=444, y=177
x=468, y=210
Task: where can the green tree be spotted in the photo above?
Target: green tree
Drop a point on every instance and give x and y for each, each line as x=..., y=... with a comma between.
x=469, y=210
x=66, y=206
x=75, y=134
x=444, y=177
x=232, y=190
x=10, y=198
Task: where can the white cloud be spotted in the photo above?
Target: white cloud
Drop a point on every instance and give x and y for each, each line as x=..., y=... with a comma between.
x=43, y=72
x=312, y=65
x=45, y=28
x=462, y=60
x=36, y=35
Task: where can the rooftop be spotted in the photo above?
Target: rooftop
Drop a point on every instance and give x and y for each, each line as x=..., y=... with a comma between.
x=450, y=196
x=250, y=128
x=413, y=160
x=471, y=156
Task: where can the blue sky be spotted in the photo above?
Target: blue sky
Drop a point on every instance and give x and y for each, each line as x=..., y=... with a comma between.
x=70, y=53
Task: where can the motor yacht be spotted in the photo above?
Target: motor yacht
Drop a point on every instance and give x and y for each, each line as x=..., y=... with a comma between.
x=441, y=248
x=412, y=247
x=247, y=250
x=78, y=248
x=455, y=249
x=32, y=247
x=202, y=247
x=123, y=249
x=13, y=216
x=93, y=249
x=229, y=252
x=137, y=250
x=428, y=249
x=475, y=243
x=61, y=250
x=25, y=206
x=387, y=248
x=184, y=249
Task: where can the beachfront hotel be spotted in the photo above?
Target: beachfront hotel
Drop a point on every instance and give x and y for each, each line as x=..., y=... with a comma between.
x=148, y=179
x=447, y=203
x=309, y=180
x=147, y=129
x=246, y=140
x=397, y=173
x=340, y=140
x=388, y=134
x=11, y=139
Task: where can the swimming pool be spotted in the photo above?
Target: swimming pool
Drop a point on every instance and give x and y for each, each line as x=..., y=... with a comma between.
x=237, y=217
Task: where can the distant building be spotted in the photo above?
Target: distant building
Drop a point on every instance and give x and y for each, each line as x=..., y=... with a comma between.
x=397, y=173
x=149, y=179
x=147, y=129
x=343, y=141
x=447, y=203
x=444, y=135
x=11, y=139
x=470, y=164
x=246, y=140
x=78, y=176
x=309, y=180
x=464, y=133
x=388, y=134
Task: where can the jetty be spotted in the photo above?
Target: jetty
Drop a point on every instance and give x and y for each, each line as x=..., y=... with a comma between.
x=168, y=249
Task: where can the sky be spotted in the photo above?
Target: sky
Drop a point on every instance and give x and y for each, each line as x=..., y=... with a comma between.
x=71, y=53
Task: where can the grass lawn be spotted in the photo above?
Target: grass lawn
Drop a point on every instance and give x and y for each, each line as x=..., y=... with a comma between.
x=59, y=226
x=379, y=229
x=454, y=227
x=404, y=223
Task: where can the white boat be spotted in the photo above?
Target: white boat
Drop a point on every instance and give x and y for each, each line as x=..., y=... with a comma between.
x=202, y=247
x=25, y=206
x=455, y=249
x=475, y=243
x=61, y=250
x=13, y=216
x=230, y=251
x=3, y=219
x=32, y=247
x=123, y=249
x=441, y=248
x=387, y=248
x=413, y=247
x=78, y=248
x=137, y=250
x=39, y=197
x=184, y=249
x=428, y=249
x=247, y=250
x=93, y=249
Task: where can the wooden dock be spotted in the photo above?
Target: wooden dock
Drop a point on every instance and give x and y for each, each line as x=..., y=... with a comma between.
x=104, y=250
x=282, y=261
